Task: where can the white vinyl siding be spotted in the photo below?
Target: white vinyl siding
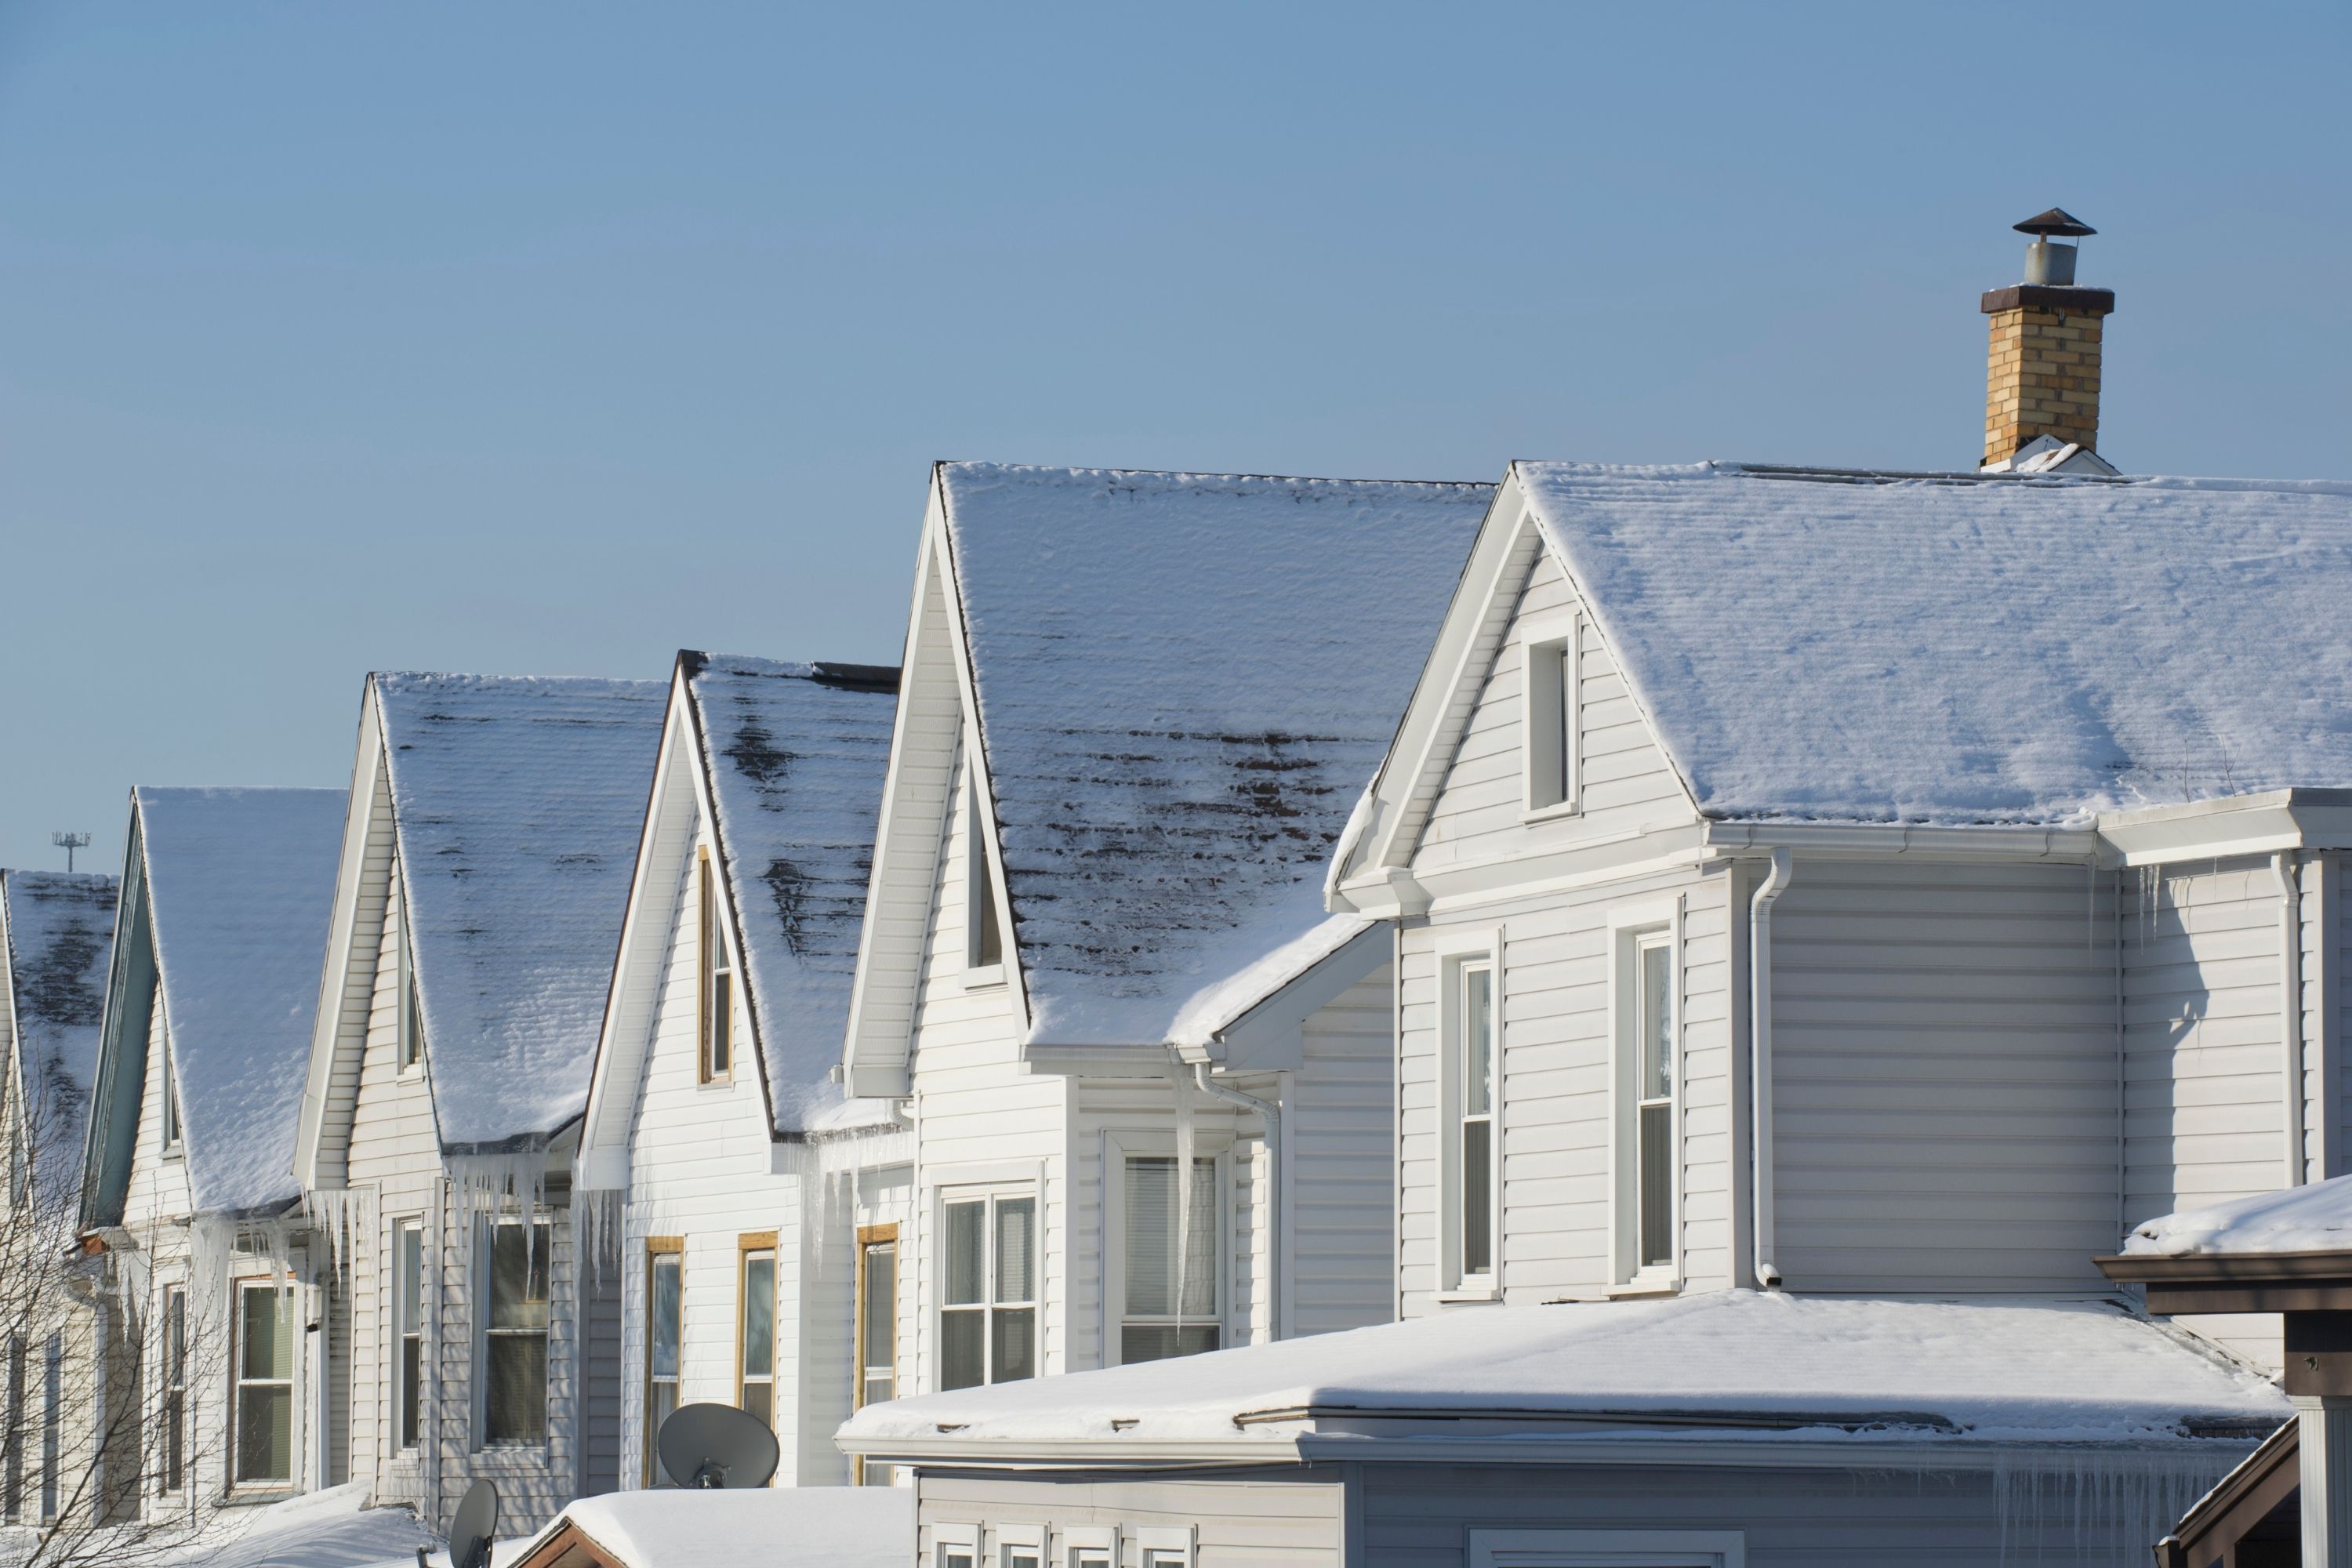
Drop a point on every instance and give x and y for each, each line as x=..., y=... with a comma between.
x=1341, y=1120
x=1292, y=1520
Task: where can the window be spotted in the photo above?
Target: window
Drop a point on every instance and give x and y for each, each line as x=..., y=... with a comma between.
x=1020, y=1546
x=755, y=1326
x=717, y=1008
x=175, y=1387
x=1164, y=1548
x=1475, y=1145
x=1090, y=1546
x=514, y=1352
x=408, y=1322
x=955, y=1546
x=1654, y=1033
x=982, y=923
x=12, y=1488
x=877, y=1333
x=412, y=1024
x=1170, y=1302
x=665, y=1327
x=1645, y=995
x=53, y=1400
x=170, y=1113
x=1549, y=719
x=988, y=1318
x=264, y=1409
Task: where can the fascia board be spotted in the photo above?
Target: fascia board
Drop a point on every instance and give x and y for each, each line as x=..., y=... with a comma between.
x=1500, y=879
x=1267, y=1037
x=2242, y=825
x=603, y=1137
x=1910, y=841
x=326, y=1018
x=993, y=1453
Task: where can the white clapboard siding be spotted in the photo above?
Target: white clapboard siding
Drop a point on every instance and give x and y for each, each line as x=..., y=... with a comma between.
x=1340, y=1124
x=1627, y=783
x=1283, y=1520
x=1555, y=1081
x=157, y=1190
x=1944, y=1077
x=361, y=975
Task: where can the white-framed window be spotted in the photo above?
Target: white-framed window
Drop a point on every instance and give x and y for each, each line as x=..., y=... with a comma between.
x=263, y=1402
x=408, y=1051
x=170, y=1107
x=514, y=1269
x=876, y=1374
x=1090, y=1546
x=175, y=1389
x=409, y=1324
x=955, y=1545
x=1645, y=1030
x=755, y=1326
x=1020, y=1546
x=1164, y=1301
x=1608, y=1548
x=1164, y=1547
x=665, y=1334
x=983, y=923
x=1470, y=1106
x=53, y=1420
x=715, y=1014
x=988, y=1268
x=1548, y=718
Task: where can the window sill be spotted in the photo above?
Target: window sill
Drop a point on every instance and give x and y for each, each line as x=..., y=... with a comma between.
x=1470, y=1293
x=1646, y=1285
x=518, y=1457
x=1552, y=813
x=980, y=977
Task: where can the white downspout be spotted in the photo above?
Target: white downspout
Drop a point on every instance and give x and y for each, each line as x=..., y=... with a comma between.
x=2283, y=867
x=1759, y=1054
x=1271, y=1114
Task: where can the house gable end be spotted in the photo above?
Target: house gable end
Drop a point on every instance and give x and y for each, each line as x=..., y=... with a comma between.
x=120, y=1084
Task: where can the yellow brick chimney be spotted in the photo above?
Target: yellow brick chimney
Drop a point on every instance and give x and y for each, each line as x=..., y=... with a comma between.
x=2041, y=371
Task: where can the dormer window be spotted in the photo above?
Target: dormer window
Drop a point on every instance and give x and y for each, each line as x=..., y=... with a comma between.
x=718, y=1011
x=1549, y=719
x=983, y=925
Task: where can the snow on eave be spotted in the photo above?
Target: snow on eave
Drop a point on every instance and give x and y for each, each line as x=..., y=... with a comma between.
x=2314, y=1218
x=1216, y=1009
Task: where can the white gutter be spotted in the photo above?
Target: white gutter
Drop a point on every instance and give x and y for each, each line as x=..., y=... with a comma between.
x=1759, y=1054
x=2284, y=866
x=1272, y=1114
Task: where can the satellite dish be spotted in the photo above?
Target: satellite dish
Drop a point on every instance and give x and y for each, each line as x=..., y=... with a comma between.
x=714, y=1446
x=476, y=1521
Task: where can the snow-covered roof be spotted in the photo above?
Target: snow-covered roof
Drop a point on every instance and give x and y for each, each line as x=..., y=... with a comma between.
x=795, y=754
x=1945, y=650
x=518, y=802
x=810, y=1526
x=239, y=887
x=60, y=928
x=2312, y=1219
x=1725, y=1362
x=1184, y=682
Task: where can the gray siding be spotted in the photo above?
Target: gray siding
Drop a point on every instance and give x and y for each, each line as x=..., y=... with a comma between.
x=1278, y=1518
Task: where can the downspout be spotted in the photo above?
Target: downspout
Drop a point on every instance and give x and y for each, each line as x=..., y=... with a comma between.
x=2285, y=868
x=1270, y=1111
x=1760, y=1055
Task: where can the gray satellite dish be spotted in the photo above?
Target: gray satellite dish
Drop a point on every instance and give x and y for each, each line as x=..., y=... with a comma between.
x=476, y=1521
x=713, y=1445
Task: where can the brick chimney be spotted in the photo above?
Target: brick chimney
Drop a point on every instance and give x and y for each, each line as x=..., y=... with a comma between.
x=2041, y=374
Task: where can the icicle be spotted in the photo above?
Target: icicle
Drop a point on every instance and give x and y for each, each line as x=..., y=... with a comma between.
x=1184, y=1146
x=596, y=1225
x=346, y=1216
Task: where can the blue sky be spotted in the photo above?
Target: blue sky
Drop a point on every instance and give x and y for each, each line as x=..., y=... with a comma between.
x=540, y=339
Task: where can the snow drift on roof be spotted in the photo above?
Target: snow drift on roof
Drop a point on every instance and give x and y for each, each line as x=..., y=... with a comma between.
x=827, y=1527
x=1184, y=680
x=795, y=754
x=1909, y=1370
x=240, y=886
x=2312, y=1219
x=60, y=929
x=1938, y=649
x=518, y=802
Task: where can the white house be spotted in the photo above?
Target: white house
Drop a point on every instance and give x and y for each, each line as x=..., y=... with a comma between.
x=487, y=840
x=1136, y=710
x=187, y=1180
x=763, y=1208
x=1811, y=888
x=56, y=930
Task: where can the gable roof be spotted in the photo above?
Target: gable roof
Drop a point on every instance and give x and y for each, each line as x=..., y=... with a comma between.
x=236, y=886
x=58, y=927
x=517, y=802
x=794, y=755
x=1182, y=682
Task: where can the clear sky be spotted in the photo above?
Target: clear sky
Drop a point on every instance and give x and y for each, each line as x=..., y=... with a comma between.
x=550, y=339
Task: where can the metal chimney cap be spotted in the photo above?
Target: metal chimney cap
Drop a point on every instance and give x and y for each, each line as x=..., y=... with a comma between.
x=2057, y=222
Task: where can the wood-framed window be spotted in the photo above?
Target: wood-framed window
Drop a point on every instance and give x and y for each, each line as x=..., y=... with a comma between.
x=755, y=1325
x=983, y=923
x=988, y=1311
x=715, y=1015
x=876, y=1372
x=1470, y=1113
x=262, y=1404
x=665, y=1336
x=408, y=1327
x=1644, y=1004
x=515, y=1268
x=1548, y=720
x=170, y=1116
x=53, y=1420
x=11, y=1483
x=1169, y=1304
x=175, y=1388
